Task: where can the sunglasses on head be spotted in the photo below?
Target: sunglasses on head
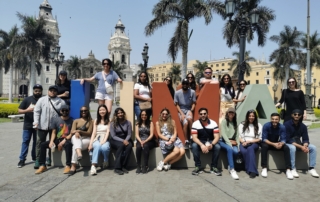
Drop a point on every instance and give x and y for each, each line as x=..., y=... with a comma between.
x=251, y=111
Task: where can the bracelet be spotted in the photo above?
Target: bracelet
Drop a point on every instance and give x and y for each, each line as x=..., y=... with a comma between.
x=169, y=139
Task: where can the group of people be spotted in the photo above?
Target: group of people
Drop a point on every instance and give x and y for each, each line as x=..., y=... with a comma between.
x=50, y=115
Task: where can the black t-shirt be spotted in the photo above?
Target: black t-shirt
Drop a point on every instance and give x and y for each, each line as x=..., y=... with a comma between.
x=63, y=88
x=28, y=117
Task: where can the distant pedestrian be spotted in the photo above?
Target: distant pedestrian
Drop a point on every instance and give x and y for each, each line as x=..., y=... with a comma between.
x=26, y=107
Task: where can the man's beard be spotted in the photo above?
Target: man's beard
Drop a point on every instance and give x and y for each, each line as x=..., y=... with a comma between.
x=37, y=95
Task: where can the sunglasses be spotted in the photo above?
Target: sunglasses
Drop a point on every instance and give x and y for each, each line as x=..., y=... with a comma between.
x=297, y=114
x=65, y=110
x=242, y=84
x=291, y=81
x=83, y=111
x=207, y=72
x=226, y=78
x=251, y=111
x=143, y=76
x=190, y=77
x=105, y=64
x=202, y=114
x=164, y=114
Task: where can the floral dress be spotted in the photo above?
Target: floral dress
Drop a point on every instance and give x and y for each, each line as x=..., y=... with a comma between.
x=167, y=134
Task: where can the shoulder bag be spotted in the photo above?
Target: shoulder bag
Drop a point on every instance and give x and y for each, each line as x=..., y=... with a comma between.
x=109, y=89
x=145, y=104
x=83, y=128
x=283, y=111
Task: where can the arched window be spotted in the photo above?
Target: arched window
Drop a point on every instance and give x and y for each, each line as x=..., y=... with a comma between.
x=91, y=70
x=123, y=59
x=47, y=80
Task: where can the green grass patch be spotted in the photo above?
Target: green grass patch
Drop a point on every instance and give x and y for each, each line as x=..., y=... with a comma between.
x=314, y=125
x=4, y=120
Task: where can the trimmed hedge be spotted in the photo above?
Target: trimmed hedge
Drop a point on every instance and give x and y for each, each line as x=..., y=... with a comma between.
x=316, y=112
x=14, y=99
x=7, y=109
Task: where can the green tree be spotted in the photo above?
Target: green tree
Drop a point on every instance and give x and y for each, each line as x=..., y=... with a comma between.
x=34, y=42
x=280, y=73
x=235, y=63
x=182, y=12
x=288, y=52
x=175, y=73
x=117, y=67
x=200, y=66
x=231, y=28
x=8, y=53
x=73, y=67
x=314, y=45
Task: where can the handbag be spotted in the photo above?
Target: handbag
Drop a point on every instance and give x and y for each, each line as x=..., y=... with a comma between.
x=169, y=147
x=109, y=89
x=83, y=128
x=283, y=111
x=233, y=142
x=239, y=158
x=145, y=105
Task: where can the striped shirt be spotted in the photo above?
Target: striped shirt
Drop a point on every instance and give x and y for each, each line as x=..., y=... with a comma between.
x=211, y=128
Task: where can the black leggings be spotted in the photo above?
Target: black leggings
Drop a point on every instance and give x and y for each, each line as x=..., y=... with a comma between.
x=146, y=150
x=122, y=153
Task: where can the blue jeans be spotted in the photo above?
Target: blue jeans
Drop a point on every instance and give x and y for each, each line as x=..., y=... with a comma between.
x=196, y=154
x=137, y=110
x=232, y=153
x=100, y=149
x=312, y=155
x=26, y=138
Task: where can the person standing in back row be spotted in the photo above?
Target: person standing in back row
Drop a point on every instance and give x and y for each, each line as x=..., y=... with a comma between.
x=26, y=107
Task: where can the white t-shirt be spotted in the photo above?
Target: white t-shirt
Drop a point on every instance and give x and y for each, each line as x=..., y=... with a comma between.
x=249, y=133
x=144, y=91
x=225, y=97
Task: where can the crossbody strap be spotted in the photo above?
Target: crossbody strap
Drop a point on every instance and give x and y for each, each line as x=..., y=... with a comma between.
x=284, y=98
x=122, y=129
x=54, y=107
x=205, y=130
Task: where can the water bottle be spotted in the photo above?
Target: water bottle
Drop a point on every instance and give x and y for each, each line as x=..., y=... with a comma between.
x=90, y=154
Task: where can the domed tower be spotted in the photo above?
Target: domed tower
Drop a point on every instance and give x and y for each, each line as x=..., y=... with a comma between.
x=52, y=24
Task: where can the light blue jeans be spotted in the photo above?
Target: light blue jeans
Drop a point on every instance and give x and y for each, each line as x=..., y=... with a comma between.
x=100, y=149
x=312, y=155
x=232, y=153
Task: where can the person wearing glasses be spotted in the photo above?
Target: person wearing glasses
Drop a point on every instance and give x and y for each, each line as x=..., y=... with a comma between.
x=205, y=136
x=297, y=138
x=142, y=92
x=184, y=100
x=60, y=138
x=250, y=134
x=64, y=86
x=167, y=134
x=274, y=138
x=238, y=99
x=207, y=77
x=106, y=80
x=192, y=84
x=293, y=99
x=45, y=111
x=230, y=139
x=121, y=131
x=168, y=81
x=227, y=94
x=81, y=134
x=99, y=139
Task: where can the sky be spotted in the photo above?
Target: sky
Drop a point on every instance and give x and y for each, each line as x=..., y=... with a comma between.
x=87, y=25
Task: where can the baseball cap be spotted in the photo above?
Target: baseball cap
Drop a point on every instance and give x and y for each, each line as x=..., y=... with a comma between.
x=296, y=111
x=53, y=87
x=37, y=86
x=231, y=109
x=185, y=81
x=62, y=72
x=65, y=107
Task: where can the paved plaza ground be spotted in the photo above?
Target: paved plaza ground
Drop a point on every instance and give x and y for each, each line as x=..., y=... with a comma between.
x=21, y=184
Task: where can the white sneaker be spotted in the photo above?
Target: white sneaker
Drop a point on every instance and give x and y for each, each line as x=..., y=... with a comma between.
x=167, y=167
x=233, y=174
x=289, y=175
x=294, y=173
x=160, y=166
x=314, y=173
x=93, y=170
x=264, y=172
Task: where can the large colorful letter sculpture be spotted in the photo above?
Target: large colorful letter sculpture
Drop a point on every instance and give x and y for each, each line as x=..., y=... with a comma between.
x=80, y=96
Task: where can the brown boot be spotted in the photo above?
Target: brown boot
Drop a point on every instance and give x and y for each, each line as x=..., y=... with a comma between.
x=41, y=170
x=66, y=170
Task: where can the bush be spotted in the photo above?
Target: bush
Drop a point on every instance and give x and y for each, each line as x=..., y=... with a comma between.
x=316, y=112
x=7, y=109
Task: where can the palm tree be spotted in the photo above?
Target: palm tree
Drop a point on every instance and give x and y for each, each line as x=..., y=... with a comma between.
x=175, y=73
x=231, y=29
x=200, y=66
x=235, y=63
x=73, y=67
x=8, y=52
x=288, y=52
x=117, y=67
x=182, y=12
x=35, y=42
x=280, y=73
x=314, y=45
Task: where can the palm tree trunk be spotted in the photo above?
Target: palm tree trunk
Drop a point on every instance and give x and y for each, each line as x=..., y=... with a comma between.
x=10, y=82
x=287, y=76
x=185, y=54
x=32, y=76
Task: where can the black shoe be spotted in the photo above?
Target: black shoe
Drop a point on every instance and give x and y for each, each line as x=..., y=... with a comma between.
x=138, y=171
x=72, y=172
x=118, y=171
x=125, y=170
x=145, y=169
x=21, y=163
x=196, y=171
x=252, y=175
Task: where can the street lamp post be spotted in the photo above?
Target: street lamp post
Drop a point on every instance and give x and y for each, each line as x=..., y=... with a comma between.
x=243, y=25
x=314, y=92
x=274, y=88
x=145, y=57
x=57, y=59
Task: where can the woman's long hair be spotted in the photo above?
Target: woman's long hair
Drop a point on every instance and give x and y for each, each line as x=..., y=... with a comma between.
x=255, y=122
x=234, y=121
x=169, y=120
x=227, y=87
x=105, y=118
x=88, y=117
x=146, y=83
x=66, y=82
x=115, y=118
x=240, y=90
x=146, y=122
x=193, y=84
